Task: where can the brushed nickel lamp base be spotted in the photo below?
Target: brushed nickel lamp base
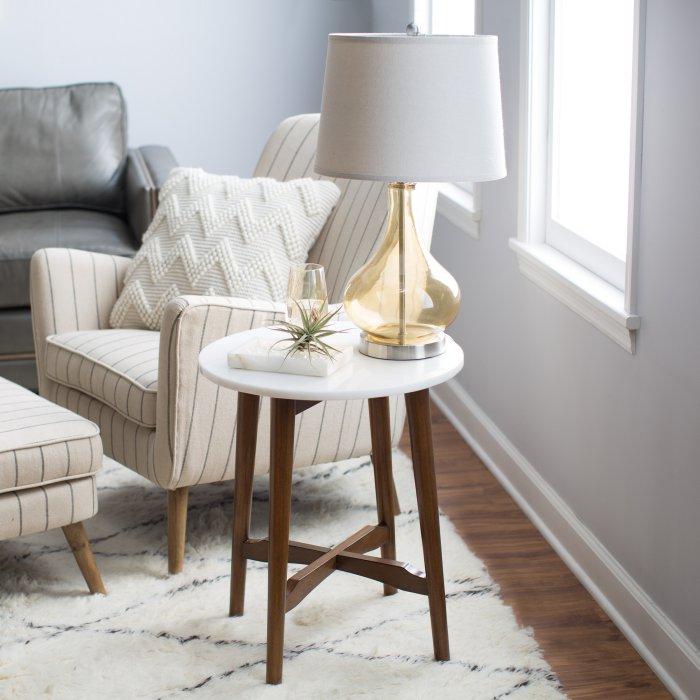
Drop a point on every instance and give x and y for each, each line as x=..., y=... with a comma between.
x=385, y=351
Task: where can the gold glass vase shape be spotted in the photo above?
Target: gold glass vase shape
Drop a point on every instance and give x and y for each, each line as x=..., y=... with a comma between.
x=402, y=298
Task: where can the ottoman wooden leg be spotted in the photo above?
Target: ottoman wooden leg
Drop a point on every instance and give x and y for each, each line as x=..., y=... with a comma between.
x=80, y=546
x=418, y=409
x=380, y=428
x=281, y=457
x=246, y=439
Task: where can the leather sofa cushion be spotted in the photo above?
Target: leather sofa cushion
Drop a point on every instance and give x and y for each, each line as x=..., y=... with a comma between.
x=23, y=233
x=116, y=366
x=62, y=147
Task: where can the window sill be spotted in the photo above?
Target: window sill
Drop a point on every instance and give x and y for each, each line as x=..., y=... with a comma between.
x=583, y=292
x=460, y=208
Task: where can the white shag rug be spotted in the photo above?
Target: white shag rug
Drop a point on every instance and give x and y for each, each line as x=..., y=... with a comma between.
x=159, y=636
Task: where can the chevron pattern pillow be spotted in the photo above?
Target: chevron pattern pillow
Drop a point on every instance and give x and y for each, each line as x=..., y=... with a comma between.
x=221, y=235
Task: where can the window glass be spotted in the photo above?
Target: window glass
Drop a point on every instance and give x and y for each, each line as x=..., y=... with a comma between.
x=591, y=110
x=453, y=16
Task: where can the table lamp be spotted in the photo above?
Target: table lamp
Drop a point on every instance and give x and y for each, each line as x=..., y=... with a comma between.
x=407, y=108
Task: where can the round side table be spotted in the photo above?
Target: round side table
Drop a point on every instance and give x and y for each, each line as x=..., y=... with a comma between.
x=363, y=378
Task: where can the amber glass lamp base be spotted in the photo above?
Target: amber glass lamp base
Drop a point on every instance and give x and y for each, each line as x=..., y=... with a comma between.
x=402, y=298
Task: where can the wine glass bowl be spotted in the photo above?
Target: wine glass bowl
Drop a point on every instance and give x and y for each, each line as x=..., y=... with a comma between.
x=306, y=290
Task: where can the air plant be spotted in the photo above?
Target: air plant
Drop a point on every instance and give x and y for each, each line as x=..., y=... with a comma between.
x=307, y=336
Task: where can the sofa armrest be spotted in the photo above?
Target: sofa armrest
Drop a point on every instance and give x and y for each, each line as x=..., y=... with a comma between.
x=71, y=290
x=183, y=455
x=147, y=168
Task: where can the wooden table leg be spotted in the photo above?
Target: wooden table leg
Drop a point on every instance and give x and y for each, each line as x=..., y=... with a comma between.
x=418, y=409
x=380, y=428
x=281, y=458
x=246, y=440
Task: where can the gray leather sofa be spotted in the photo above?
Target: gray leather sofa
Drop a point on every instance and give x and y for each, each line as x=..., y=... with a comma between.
x=67, y=179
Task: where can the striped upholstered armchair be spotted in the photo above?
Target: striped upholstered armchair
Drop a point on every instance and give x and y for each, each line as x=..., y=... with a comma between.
x=157, y=414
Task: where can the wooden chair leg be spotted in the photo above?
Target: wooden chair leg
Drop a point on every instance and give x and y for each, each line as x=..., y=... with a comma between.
x=380, y=429
x=281, y=458
x=177, y=528
x=418, y=409
x=80, y=546
x=246, y=439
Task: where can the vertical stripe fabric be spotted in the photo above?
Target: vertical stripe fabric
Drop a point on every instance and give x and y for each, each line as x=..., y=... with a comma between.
x=129, y=443
x=41, y=442
x=48, y=456
x=71, y=290
x=199, y=443
x=42, y=508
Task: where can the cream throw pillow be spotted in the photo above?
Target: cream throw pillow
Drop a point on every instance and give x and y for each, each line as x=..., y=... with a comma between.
x=221, y=235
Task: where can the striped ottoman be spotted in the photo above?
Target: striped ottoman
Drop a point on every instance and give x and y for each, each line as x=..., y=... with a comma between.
x=48, y=460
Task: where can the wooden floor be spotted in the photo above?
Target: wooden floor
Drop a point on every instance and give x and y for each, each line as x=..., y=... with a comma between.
x=588, y=653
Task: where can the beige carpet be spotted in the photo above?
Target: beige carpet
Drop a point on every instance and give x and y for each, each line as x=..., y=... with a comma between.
x=156, y=636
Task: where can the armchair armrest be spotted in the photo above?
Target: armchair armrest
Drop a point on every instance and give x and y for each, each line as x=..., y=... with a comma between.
x=196, y=419
x=147, y=168
x=183, y=455
x=71, y=290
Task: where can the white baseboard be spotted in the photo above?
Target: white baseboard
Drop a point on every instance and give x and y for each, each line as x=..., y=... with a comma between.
x=669, y=653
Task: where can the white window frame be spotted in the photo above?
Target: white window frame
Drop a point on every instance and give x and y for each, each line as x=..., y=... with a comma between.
x=459, y=203
x=591, y=282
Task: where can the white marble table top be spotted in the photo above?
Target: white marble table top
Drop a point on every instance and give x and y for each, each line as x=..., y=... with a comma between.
x=363, y=378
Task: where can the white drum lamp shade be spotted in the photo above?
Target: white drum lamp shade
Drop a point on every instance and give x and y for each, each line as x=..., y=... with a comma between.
x=403, y=108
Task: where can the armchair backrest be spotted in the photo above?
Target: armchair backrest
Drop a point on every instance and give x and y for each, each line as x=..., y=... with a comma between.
x=62, y=147
x=356, y=225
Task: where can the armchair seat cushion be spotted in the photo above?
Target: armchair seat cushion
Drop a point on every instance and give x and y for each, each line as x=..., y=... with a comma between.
x=118, y=367
x=23, y=233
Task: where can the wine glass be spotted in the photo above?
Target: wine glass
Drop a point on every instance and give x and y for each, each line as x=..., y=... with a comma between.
x=306, y=289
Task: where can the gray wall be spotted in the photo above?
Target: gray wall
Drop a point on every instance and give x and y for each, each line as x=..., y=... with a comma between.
x=210, y=78
x=391, y=15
